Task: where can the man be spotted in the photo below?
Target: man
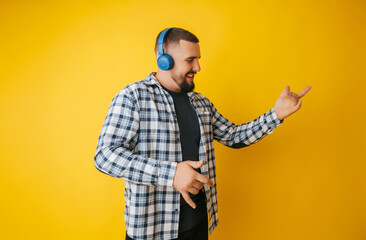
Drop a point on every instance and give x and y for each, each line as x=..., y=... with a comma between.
x=158, y=137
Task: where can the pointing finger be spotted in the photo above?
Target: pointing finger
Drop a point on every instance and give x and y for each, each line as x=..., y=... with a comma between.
x=303, y=92
x=188, y=199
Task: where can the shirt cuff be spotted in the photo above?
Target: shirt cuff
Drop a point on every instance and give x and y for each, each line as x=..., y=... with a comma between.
x=166, y=173
x=272, y=117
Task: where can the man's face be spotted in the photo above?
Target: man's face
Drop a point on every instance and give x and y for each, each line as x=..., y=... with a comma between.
x=185, y=55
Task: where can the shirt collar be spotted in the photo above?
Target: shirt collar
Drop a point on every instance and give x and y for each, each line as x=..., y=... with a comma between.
x=151, y=80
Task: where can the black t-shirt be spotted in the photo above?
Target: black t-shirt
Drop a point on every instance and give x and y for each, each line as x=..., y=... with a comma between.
x=190, y=135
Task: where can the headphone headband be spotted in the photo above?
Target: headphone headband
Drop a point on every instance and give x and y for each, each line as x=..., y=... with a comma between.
x=161, y=41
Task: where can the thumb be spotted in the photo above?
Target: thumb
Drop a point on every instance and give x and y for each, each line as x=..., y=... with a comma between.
x=195, y=164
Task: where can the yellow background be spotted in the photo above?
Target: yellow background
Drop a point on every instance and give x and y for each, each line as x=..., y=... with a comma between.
x=62, y=63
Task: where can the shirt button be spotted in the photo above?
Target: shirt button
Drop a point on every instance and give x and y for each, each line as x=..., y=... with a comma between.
x=176, y=210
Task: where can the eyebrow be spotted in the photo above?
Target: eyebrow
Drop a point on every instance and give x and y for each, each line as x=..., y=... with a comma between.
x=193, y=57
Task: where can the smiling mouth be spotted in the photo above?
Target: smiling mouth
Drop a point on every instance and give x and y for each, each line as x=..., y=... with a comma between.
x=190, y=75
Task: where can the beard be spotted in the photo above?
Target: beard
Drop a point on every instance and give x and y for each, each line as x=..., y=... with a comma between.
x=183, y=83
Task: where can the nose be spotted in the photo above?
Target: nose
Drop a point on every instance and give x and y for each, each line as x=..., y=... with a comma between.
x=196, y=66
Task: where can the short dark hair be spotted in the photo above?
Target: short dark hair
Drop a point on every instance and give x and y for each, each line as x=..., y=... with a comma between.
x=173, y=36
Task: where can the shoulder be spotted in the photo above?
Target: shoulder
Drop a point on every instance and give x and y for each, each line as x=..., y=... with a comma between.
x=134, y=91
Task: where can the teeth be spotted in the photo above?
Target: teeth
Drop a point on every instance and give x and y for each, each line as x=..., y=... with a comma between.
x=190, y=75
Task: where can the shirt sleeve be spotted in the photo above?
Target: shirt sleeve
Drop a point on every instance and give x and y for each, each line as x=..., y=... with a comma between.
x=238, y=136
x=115, y=154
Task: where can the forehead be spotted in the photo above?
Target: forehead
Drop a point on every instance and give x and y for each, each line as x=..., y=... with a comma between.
x=186, y=49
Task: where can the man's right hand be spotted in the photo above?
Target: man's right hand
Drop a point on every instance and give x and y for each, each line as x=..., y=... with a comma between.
x=187, y=180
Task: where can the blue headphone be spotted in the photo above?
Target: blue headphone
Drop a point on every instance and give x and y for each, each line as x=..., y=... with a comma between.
x=165, y=61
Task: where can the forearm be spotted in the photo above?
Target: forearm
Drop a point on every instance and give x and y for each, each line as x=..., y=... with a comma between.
x=255, y=130
x=121, y=163
x=238, y=136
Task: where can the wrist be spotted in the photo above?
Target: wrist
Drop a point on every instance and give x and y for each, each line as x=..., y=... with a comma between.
x=278, y=115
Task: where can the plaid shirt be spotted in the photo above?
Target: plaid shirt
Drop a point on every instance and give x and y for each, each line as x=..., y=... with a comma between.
x=139, y=142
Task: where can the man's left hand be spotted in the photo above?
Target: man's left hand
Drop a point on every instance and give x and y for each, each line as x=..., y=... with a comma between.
x=289, y=102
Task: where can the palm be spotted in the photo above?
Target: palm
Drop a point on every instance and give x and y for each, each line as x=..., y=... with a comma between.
x=289, y=102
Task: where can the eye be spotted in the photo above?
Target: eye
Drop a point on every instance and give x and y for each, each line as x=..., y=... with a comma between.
x=190, y=60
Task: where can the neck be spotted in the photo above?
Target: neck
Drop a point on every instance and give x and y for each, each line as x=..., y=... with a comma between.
x=165, y=80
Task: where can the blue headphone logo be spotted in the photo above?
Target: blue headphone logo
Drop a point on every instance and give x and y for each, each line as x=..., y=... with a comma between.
x=165, y=61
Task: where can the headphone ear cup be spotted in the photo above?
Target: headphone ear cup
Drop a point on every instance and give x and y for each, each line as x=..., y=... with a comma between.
x=165, y=62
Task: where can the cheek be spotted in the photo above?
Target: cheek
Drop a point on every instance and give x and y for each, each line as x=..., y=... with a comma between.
x=183, y=67
x=187, y=69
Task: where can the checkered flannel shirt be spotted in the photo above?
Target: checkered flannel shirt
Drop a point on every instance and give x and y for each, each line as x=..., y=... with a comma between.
x=139, y=142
